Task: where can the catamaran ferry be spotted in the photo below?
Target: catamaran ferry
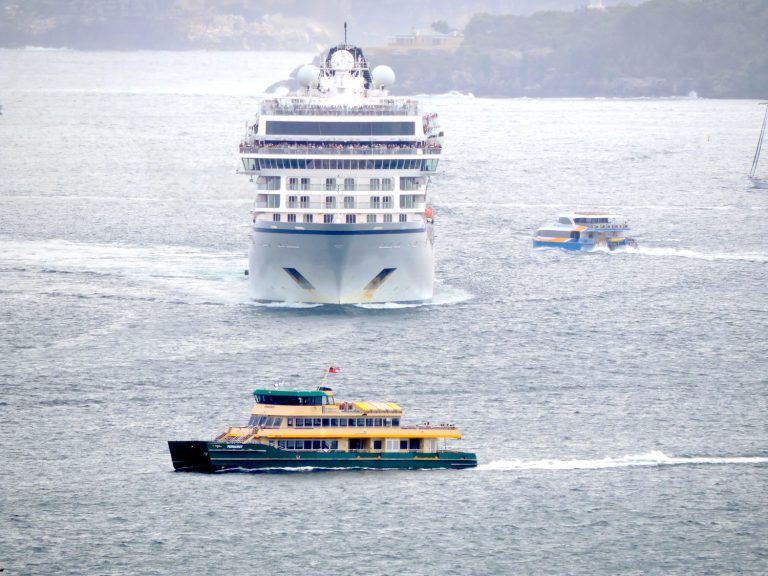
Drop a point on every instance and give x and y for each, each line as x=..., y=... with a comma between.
x=342, y=212
x=585, y=231
x=294, y=429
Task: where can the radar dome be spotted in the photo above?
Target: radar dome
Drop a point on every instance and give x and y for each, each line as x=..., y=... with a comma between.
x=308, y=76
x=383, y=76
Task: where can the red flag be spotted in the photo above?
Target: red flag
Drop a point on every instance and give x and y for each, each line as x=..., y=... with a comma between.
x=334, y=370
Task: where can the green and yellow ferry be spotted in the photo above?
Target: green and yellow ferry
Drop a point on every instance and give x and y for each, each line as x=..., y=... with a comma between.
x=311, y=430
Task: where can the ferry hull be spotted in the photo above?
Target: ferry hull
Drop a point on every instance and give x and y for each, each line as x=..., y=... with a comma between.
x=201, y=456
x=341, y=265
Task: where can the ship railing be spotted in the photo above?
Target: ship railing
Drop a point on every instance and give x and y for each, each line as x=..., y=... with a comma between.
x=282, y=107
x=343, y=150
x=430, y=427
x=339, y=188
x=338, y=206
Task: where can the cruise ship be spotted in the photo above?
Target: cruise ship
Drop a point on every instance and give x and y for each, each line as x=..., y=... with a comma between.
x=309, y=429
x=342, y=213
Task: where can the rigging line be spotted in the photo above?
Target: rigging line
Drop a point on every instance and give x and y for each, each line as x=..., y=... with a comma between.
x=759, y=144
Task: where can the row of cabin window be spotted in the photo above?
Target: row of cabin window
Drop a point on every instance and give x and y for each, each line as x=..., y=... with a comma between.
x=349, y=202
x=349, y=218
x=265, y=421
x=305, y=444
x=343, y=422
x=406, y=183
x=341, y=164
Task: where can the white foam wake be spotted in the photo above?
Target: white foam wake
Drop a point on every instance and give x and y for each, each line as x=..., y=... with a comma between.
x=654, y=458
x=444, y=296
x=712, y=256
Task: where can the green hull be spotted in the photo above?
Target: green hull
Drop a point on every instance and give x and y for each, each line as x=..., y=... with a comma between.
x=201, y=456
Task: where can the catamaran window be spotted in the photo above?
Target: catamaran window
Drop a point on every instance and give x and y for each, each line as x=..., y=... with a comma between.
x=294, y=128
x=564, y=220
x=349, y=201
x=575, y=235
x=328, y=218
x=351, y=219
x=371, y=219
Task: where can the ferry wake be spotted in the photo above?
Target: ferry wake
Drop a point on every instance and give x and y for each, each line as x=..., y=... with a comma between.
x=342, y=212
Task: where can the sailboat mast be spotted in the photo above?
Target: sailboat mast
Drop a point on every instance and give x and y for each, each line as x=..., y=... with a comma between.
x=756, y=159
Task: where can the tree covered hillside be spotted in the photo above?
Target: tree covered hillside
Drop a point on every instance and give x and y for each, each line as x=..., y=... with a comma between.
x=717, y=48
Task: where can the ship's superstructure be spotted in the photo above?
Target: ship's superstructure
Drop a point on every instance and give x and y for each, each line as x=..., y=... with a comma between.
x=342, y=212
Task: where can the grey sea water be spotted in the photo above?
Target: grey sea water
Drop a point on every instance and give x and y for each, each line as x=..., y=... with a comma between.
x=617, y=402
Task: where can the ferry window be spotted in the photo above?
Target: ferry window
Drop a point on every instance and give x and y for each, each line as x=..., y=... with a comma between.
x=377, y=444
x=275, y=217
x=304, y=201
x=328, y=218
x=316, y=444
x=352, y=422
x=375, y=184
x=330, y=201
x=395, y=421
x=414, y=444
x=403, y=444
x=309, y=218
x=387, y=217
x=299, y=422
x=305, y=183
x=371, y=219
x=349, y=183
x=316, y=422
x=387, y=422
x=343, y=422
x=392, y=445
x=326, y=422
x=387, y=201
x=290, y=444
x=351, y=218
x=403, y=217
x=289, y=422
x=291, y=217
x=334, y=444
x=349, y=201
x=281, y=444
x=377, y=422
x=334, y=422
x=270, y=421
x=253, y=420
x=369, y=422
x=278, y=422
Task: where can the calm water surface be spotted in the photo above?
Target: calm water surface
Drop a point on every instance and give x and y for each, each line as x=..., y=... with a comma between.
x=617, y=402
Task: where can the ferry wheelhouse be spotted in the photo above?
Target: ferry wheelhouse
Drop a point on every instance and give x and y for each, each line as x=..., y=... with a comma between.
x=309, y=429
x=585, y=231
x=342, y=211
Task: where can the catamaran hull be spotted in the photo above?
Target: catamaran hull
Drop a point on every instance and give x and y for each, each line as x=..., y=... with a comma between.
x=201, y=456
x=585, y=246
x=345, y=265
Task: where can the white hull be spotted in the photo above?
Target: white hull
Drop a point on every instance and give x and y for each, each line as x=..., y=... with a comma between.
x=343, y=264
x=761, y=183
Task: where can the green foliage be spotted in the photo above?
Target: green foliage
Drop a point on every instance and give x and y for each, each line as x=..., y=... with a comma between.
x=718, y=48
